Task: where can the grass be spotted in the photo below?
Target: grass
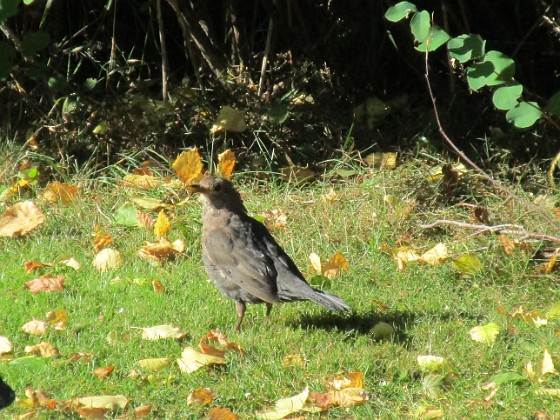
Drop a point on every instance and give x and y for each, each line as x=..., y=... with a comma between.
x=432, y=308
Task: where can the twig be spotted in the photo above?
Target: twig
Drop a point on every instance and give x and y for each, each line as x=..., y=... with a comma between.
x=495, y=183
x=504, y=229
x=265, y=56
x=164, y=58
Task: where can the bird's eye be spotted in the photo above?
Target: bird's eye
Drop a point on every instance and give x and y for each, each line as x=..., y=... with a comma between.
x=218, y=187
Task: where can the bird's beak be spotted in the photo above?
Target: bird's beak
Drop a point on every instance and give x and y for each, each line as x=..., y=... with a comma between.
x=195, y=188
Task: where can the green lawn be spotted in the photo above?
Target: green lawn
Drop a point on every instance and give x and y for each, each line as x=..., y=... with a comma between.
x=431, y=308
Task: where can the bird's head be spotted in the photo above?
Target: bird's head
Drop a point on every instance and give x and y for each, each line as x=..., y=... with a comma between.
x=218, y=193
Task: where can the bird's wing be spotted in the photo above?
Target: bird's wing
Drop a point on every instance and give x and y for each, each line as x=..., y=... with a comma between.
x=239, y=256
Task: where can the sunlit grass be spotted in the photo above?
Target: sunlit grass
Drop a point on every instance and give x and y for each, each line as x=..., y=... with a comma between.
x=432, y=308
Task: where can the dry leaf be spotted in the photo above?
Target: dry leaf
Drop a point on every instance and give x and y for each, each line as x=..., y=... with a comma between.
x=162, y=250
x=189, y=166
x=6, y=346
x=220, y=413
x=107, y=402
x=158, y=286
x=45, y=284
x=145, y=220
x=103, y=372
x=142, y=411
x=536, y=317
x=332, y=267
x=162, y=225
x=404, y=255
x=218, y=337
x=43, y=349
x=92, y=413
x=350, y=397
x=274, y=219
x=345, y=380
x=31, y=266
x=100, y=238
x=192, y=360
x=20, y=219
x=229, y=119
x=547, y=365
x=162, y=331
x=381, y=160
x=330, y=196
x=149, y=203
x=153, y=365
x=285, y=406
x=84, y=357
x=108, y=259
x=146, y=182
x=201, y=396
x=59, y=192
x=72, y=263
x=435, y=255
x=226, y=164
x=58, y=319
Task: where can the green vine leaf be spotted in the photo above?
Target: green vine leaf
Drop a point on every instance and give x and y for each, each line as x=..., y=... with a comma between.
x=420, y=26
x=399, y=11
x=507, y=97
x=466, y=47
x=524, y=115
x=436, y=39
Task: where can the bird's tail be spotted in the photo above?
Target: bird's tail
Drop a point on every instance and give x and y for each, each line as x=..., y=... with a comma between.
x=328, y=300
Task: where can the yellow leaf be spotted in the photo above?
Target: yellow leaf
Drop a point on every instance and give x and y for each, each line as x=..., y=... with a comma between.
x=162, y=225
x=229, y=119
x=293, y=360
x=350, y=397
x=285, y=406
x=108, y=402
x=547, y=365
x=145, y=182
x=153, y=365
x=485, y=333
x=381, y=160
x=345, y=380
x=226, y=163
x=221, y=413
x=192, y=360
x=58, y=319
x=20, y=219
x=436, y=255
x=108, y=259
x=315, y=262
x=404, y=255
x=429, y=363
x=162, y=331
x=189, y=166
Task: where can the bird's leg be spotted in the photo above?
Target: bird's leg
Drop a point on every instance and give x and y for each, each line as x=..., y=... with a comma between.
x=240, y=306
x=267, y=315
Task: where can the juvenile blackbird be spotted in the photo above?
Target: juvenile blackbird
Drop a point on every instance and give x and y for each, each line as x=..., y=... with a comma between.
x=243, y=259
x=7, y=394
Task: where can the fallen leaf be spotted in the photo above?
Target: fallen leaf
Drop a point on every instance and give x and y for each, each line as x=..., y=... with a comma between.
x=162, y=331
x=58, y=319
x=153, y=365
x=330, y=196
x=467, y=264
x=103, y=372
x=162, y=250
x=547, y=365
x=101, y=239
x=403, y=256
x=31, y=266
x=332, y=267
x=146, y=182
x=189, y=166
x=127, y=215
x=108, y=259
x=485, y=333
x=536, y=317
x=226, y=164
x=427, y=413
x=45, y=283
x=192, y=360
x=72, y=263
x=285, y=406
x=108, y=402
x=150, y=203
x=145, y=220
x=142, y=411
x=59, y=192
x=162, y=225
x=435, y=255
x=42, y=349
x=92, y=413
x=218, y=337
x=350, y=397
x=344, y=380
x=229, y=119
x=429, y=363
x=20, y=219
x=34, y=327
x=158, y=286
x=6, y=346
x=201, y=396
x=297, y=173
x=381, y=160
x=220, y=413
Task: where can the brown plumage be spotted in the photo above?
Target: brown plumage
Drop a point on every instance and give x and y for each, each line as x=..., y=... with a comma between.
x=243, y=259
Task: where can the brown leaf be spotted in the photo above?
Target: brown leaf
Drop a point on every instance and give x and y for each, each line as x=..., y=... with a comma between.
x=218, y=337
x=345, y=380
x=20, y=219
x=189, y=166
x=320, y=400
x=31, y=266
x=350, y=397
x=103, y=372
x=59, y=192
x=201, y=396
x=45, y=284
x=42, y=349
x=226, y=164
x=101, y=239
x=34, y=327
x=274, y=219
x=145, y=219
x=220, y=413
x=92, y=413
x=158, y=286
x=142, y=411
x=162, y=250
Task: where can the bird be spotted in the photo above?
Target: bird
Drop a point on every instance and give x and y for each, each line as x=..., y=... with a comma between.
x=7, y=394
x=243, y=259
